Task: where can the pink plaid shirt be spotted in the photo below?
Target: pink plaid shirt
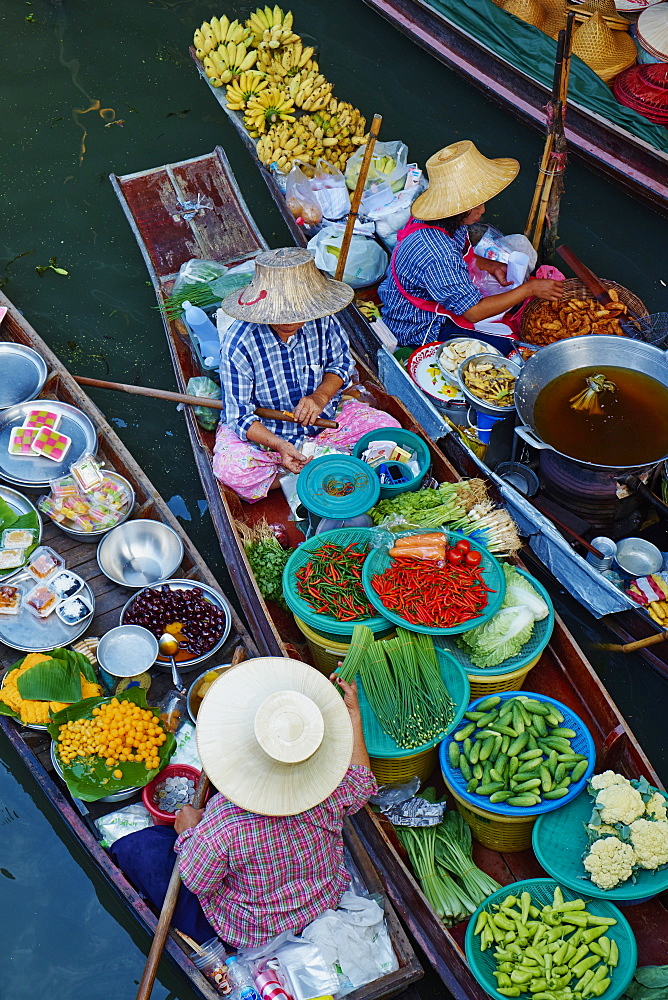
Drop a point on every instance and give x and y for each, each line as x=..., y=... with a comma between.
x=257, y=876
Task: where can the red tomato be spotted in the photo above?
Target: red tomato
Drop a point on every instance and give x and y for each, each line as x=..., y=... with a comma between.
x=455, y=556
x=472, y=558
x=463, y=545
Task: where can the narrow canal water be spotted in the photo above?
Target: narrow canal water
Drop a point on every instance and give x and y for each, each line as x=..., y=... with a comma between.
x=88, y=89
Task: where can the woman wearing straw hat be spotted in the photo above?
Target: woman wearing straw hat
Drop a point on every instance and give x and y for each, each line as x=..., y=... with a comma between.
x=287, y=755
x=428, y=293
x=285, y=352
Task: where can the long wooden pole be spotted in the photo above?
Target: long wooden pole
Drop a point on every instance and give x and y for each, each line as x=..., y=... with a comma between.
x=549, y=139
x=181, y=397
x=550, y=227
x=167, y=911
x=357, y=197
x=630, y=647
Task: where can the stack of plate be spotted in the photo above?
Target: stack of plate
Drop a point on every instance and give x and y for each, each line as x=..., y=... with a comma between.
x=652, y=31
x=645, y=89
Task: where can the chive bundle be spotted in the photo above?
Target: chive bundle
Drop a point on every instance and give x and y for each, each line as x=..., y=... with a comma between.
x=402, y=682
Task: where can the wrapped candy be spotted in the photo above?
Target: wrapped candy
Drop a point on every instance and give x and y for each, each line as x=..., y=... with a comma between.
x=64, y=486
x=97, y=510
x=87, y=473
x=43, y=562
x=41, y=601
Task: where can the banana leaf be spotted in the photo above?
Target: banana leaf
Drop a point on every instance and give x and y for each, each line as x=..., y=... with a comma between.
x=9, y=519
x=57, y=678
x=6, y=710
x=93, y=781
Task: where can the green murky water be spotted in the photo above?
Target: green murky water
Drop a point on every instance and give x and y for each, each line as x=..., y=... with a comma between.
x=89, y=89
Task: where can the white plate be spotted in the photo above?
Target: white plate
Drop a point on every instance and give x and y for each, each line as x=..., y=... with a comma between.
x=482, y=348
x=424, y=370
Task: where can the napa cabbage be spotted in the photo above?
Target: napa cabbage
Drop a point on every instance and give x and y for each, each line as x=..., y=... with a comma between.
x=500, y=638
x=520, y=592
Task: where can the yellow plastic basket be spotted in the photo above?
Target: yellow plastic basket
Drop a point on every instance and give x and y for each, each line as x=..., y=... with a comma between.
x=482, y=686
x=506, y=834
x=326, y=653
x=397, y=770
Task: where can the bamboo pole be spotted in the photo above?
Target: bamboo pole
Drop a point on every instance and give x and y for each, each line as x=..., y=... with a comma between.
x=559, y=153
x=631, y=647
x=171, y=896
x=549, y=138
x=181, y=397
x=357, y=197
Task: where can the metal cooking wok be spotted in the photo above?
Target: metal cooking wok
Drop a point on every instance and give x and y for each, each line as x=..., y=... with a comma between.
x=583, y=352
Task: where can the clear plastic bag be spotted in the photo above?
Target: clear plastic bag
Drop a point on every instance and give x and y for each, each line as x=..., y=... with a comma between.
x=366, y=262
x=389, y=162
x=203, y=386
x=195, y=271
x=300, y=198
x=330, y=191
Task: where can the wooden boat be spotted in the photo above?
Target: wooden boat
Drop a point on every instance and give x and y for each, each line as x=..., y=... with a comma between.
x=148, y=199
x=34, y=746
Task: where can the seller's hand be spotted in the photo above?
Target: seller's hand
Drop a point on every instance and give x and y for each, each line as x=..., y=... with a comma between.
x=545, y=288
x=291, y=458
x=187, y=818
x=350, y=697
x=498, y=270
x=309, y=408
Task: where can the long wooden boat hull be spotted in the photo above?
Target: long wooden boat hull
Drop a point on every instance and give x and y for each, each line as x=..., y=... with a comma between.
x=563, y=671
x=33, y=746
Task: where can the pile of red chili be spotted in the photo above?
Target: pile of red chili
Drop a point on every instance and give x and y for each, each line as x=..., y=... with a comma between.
x=438, y=595
x=331, y=582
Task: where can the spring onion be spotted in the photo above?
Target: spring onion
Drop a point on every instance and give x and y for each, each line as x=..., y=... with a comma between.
x=443, y=894
x=433, y=508
x=454, y=853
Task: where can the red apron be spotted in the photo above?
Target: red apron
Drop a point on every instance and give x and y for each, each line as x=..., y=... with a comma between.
x=427, y=304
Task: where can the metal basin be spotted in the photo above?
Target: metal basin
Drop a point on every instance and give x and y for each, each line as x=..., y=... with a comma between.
x=140, y=553
x=583, y=352
x=475, y=401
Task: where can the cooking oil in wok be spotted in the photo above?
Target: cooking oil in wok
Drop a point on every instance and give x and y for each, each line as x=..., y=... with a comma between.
x=631, y=427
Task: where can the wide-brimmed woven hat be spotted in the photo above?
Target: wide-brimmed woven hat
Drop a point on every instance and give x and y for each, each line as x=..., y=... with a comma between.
x=653, y=31
x=461, y=178
x=530, y=11
x=645, y=89
x=274, y=736
x=606, y=52
x=287, y=288
x=607, y=10
x=556, y=16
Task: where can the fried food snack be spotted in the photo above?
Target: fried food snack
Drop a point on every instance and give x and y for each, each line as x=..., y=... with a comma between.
x=552, y=321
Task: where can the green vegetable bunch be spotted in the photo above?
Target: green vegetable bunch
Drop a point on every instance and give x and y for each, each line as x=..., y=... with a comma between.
x=433, y=508
x=267, y=560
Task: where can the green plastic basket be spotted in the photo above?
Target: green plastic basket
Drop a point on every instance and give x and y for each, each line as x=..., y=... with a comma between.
x=542, y=632
x=379, y=744
x=483, y=963
x=326, y=625
x=405, y=439
x=379, y=560
x=559, y=841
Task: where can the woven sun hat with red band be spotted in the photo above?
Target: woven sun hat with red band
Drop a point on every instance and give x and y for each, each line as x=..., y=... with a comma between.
x=461, y=178
x=287, y=288
x=274, y=736
x=645, y=89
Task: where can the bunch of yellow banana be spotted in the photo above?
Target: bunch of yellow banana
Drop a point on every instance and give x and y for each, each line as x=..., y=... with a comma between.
x=285, y=143
x=289, y=60
x=267, y=108
x=309, y=90
x=227, y=61
x=218, y=32
x=246, y=86
x=264, y=19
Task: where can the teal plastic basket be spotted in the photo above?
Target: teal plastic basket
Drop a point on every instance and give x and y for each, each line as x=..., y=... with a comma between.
x=338, y=486
x=542, y=632
x=326, y=625
x=405, y=439
x=559, y=841
x=379, y=560
x=379, y=744
x=483, y=963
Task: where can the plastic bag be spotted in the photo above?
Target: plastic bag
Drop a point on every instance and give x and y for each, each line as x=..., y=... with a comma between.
x=393, y=216
x=119, y=824
x=300, y=198
x=415, y=812
x=389, y=162
x=203, y=386
x=330, y=191
x=195, y=271
x=393, y=795
x=173, y=710
x=366, y=262
x=301, y=962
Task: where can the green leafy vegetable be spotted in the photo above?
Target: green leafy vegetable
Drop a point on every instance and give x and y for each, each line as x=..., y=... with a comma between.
x=520, y=592
x=446, y=898
x=267, y=560
x=498, y=639
x=653, y=976
x=91, y=779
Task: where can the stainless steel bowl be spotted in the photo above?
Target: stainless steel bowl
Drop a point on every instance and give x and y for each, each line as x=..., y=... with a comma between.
x=140, y=553
x=94, y=536
x=480, y=404
x=481, y=348
x=191, y=690
x=637, y=557
x=125, y=793
x=127, y=650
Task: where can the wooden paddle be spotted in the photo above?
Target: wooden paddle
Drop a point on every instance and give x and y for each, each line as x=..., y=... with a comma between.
x=161, y=931
x=357, y=197
x=630, y=647
x=180, y=397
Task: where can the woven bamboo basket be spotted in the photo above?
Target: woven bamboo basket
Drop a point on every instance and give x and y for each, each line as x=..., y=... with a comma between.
x=575, y=289
x=606, y=52
x=530, y=11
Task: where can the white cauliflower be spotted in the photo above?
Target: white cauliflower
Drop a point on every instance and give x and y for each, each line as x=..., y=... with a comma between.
x=656, y=807
x=604, y=830
x=620, y=804
x=609, y=862
x=606, y=779
x=650, y=843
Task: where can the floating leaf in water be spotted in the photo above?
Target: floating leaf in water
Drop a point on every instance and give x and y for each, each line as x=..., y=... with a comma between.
x=51, y=266
x=3, y=871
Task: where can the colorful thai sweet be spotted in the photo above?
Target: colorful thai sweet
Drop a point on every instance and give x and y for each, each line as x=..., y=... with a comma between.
x=18, y=538
x=51, y=444
x=10, y=600
x=66, y=584
x=12, y=558
x=21, y=440
x=73, y=610
x=43, y=562
x=42, y=418
x=86, y=473
x=41, y=601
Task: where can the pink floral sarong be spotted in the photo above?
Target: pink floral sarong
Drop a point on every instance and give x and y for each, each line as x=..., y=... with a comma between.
x=250, y=470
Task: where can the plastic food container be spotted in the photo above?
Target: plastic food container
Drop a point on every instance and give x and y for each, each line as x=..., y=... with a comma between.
x=43, y=562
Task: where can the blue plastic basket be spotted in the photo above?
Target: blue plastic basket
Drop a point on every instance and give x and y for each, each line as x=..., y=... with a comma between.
x=379, y=560
x=405, y=439
x=542, y=632
x=357, y=484
x=582, y=743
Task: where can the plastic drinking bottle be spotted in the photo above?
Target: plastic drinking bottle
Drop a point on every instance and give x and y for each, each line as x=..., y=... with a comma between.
x=203, y=329
x=241, y=980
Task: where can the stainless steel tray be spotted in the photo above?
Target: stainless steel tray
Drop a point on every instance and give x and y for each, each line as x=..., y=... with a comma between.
x=22, y=373
x=38, y=635
x=24, y=470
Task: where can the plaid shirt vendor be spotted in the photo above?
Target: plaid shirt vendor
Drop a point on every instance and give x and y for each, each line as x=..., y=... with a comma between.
x=285, y=352
x=429, y=292
x=287, y=755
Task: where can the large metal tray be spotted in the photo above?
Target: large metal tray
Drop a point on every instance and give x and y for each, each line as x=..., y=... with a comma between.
x=38, y=635
x=22, y=374
x=24, y=470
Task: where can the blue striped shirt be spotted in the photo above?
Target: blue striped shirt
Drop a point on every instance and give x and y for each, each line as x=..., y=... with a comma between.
x=430, y=265
x=258, y=369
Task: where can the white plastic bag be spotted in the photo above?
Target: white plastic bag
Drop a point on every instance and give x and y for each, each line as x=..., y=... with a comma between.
x=329, y=190
x=195, y=271
x=366, y=262
x=389, y=162
x=300, y=199
x=303, y=965
x=393, y=216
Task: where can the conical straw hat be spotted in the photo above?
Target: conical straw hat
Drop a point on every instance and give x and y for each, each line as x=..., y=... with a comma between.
x=556, y=15
x=607, y=10
x=460, y=178
x=606, y=52
x=274, y=736
x=287, y=288
x=653, y=30
x=527, y=10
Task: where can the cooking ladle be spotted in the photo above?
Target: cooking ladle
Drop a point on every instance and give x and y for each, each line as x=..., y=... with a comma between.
x=168, y=646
